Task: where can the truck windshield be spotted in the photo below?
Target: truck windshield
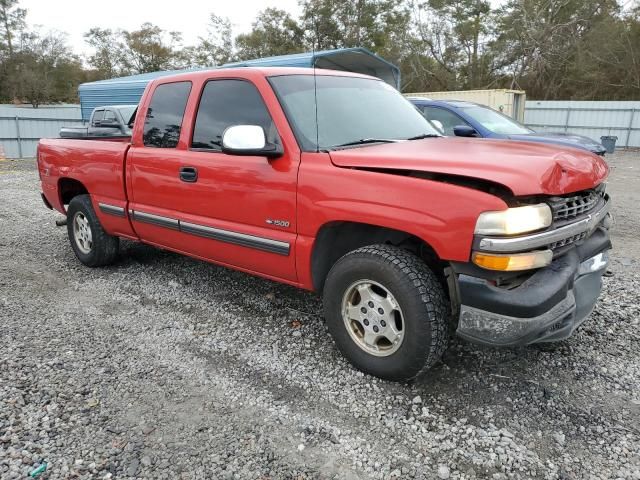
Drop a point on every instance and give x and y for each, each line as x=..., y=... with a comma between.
x=351, y=111
x=495, y=121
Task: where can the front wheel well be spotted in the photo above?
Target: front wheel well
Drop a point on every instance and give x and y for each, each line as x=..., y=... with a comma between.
x=69, y=188
x=336, y=239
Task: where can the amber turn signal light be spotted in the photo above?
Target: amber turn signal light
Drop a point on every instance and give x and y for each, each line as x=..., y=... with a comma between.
x=513, y=262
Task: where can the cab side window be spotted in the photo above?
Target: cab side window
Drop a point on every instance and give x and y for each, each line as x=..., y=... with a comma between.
x=163, y=122
x=443, y=117
x=225, y=103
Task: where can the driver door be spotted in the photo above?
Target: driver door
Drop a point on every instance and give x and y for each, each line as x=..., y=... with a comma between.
x=237, y=210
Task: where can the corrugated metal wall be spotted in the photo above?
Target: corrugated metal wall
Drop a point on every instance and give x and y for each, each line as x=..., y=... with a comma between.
x=21, y=127
x=593, y=119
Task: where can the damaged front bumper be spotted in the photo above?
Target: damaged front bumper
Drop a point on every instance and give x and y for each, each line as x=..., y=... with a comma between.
x=547, y=306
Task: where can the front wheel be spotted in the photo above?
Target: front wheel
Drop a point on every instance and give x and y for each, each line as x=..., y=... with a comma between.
x=91, y=244
x=386, y=311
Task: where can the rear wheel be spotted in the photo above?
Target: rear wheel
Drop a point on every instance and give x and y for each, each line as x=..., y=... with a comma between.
x=91, y=244
x=386, y=311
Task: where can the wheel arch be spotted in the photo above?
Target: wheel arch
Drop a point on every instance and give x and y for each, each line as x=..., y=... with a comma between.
x=68, y=188
x=337, y=238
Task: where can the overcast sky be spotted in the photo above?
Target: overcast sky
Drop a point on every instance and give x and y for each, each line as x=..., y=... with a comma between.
x=190, y=17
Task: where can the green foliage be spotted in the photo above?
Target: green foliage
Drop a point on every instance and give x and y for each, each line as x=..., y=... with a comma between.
x=545, y=44
x=379, y=25
x=12, y=22
x=553, y=49
x=217, y=48
x=107, y=59
x=149, y=49
x=274, y=32
x=35, y=67
x=455, y=33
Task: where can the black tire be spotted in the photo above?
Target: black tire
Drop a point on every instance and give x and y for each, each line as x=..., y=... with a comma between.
x=419, y=295
x=104, y=247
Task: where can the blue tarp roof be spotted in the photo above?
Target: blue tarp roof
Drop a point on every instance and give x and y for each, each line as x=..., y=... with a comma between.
x=129, y=90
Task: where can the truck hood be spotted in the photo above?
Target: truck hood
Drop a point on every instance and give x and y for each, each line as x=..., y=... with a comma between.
x=524, y=168
x=566, y=139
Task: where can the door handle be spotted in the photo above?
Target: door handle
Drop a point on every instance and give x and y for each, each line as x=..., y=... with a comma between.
x=188, y=174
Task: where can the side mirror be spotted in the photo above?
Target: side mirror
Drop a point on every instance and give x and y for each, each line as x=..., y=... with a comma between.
x=464, y=131
x=248, y=140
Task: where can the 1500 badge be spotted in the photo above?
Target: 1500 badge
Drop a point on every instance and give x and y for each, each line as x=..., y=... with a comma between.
x=278, y=223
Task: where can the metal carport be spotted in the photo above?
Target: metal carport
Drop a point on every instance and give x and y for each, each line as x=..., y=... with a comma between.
x=129, y=90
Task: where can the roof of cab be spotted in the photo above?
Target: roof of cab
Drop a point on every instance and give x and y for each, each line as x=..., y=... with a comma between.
x=262, y=71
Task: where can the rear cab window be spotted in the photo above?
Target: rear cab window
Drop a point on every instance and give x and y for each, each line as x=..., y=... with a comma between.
x=110, y=116
x=165, y=115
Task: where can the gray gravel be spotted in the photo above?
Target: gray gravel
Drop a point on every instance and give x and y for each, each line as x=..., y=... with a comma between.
x=166, y=367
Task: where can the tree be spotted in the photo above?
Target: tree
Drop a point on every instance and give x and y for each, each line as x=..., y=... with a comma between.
x=108, y=52
x=123, y=52
x=540, y=41
x=12, y=21
x=149, y=49
x=373, y=24
x=216, y=48
x=553, y=49
x=455, y=34
x=45, y=69
x=274, y=32
x=608, y=66
x=382, y=26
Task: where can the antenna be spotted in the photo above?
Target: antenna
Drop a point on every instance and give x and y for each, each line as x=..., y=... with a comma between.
x=315, y=82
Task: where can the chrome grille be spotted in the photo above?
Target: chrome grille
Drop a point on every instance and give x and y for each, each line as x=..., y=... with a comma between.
x=575, y=205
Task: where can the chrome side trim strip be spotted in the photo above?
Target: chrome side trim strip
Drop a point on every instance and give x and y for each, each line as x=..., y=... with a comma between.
x=259, y=243
x=111, y=209
x=158, y=220
x=228, y=236
x=531, y=242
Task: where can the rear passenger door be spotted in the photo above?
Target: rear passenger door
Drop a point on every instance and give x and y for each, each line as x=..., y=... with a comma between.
x=235, y=210
x=152, y=167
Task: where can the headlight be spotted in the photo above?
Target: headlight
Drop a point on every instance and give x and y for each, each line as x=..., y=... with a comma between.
x=514, y=220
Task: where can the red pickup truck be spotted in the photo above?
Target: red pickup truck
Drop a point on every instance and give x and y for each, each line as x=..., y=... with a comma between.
x=335, y=183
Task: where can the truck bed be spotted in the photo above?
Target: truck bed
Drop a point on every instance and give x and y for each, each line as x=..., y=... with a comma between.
x=97, y=164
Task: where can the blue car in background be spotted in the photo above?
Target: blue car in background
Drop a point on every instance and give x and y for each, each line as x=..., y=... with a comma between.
x=467, y=119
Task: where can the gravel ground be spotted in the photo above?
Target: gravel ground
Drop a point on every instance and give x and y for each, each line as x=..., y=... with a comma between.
x=165, y=367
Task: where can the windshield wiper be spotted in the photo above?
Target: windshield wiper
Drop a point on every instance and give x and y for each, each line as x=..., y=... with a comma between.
x=364, y=141
x=425, y=135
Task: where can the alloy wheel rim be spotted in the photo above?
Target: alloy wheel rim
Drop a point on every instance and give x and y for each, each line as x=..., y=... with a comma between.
x=82, y=233
x=373, y=318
